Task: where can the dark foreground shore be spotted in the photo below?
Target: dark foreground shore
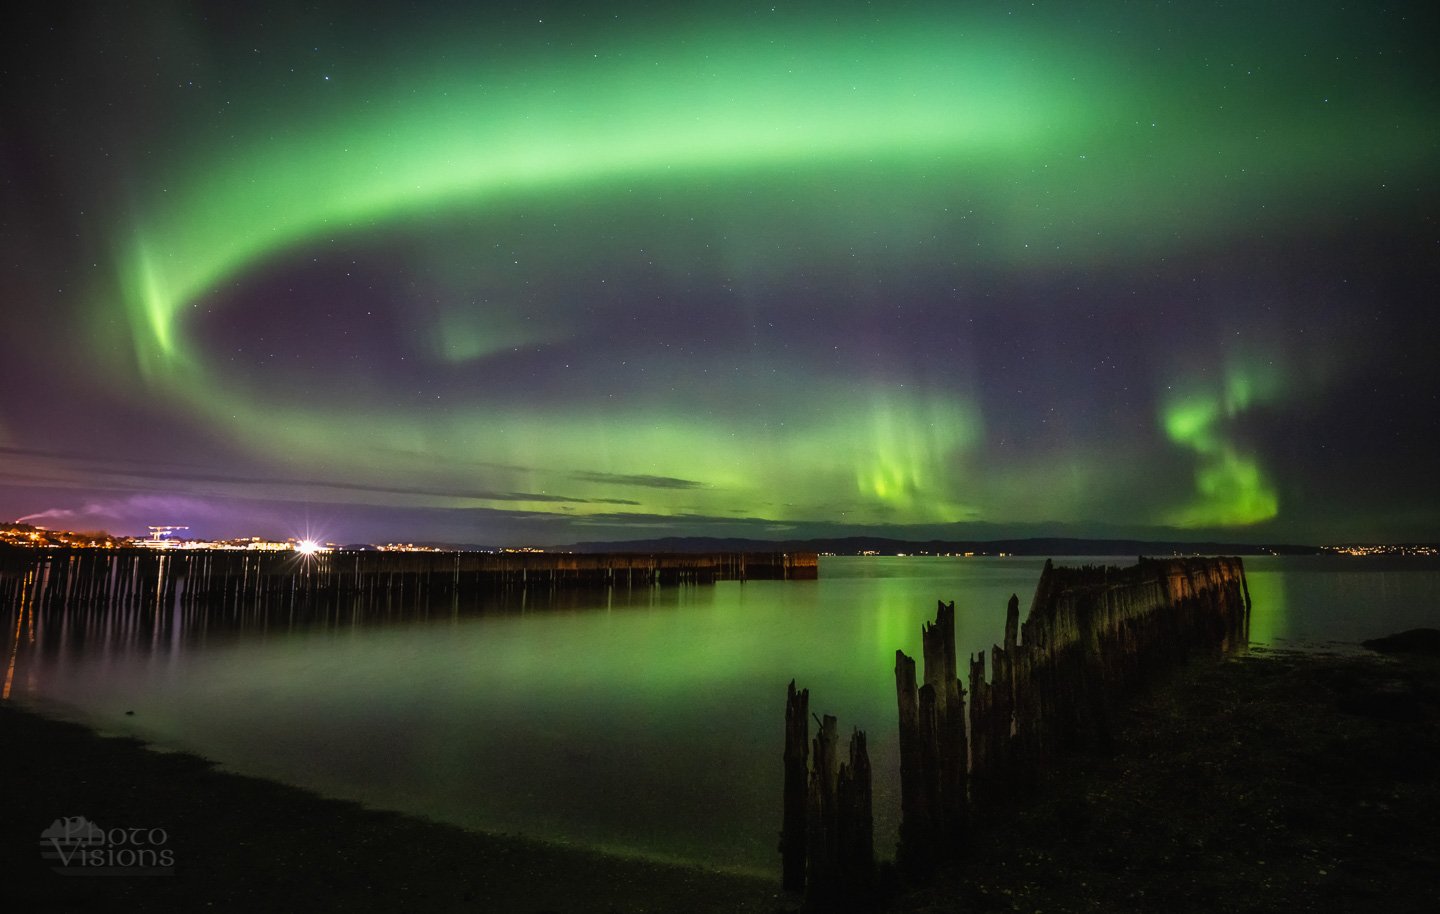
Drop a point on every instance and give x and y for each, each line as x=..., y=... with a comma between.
x=245, y=844
x=1270, y=782
x=1273, y=781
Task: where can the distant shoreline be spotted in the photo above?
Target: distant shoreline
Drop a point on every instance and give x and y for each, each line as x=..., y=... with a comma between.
x=1043, y=547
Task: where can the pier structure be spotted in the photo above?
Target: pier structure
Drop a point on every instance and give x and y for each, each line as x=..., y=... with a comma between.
x=220, y=579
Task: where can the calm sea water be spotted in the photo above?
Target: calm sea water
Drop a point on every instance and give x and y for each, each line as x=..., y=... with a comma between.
x=646, y=722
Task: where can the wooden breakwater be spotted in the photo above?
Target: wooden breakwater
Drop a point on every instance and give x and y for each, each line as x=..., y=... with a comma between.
x=1092, y=635
x=53, y=578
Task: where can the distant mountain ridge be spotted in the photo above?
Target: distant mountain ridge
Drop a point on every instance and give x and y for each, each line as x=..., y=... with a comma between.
x=855, y=545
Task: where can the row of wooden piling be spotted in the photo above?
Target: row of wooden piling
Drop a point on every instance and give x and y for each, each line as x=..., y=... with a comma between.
x=827, y=842
x=50, y=579
x=232, y=579
x=933, y=742
x=1092, y=635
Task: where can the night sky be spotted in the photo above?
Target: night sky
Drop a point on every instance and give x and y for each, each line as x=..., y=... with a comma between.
x=554, y=272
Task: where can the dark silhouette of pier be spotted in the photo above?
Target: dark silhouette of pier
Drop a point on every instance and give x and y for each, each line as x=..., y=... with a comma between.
x=220, y=579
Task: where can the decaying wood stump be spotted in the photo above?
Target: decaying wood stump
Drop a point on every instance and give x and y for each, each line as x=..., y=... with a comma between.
x=797, y=759
x=827, y=842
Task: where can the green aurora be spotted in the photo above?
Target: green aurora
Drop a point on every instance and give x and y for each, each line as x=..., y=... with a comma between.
x=684, y=272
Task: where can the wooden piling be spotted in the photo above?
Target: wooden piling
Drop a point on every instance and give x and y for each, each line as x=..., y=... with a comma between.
x=916, y=815
x=827, y=842
x=246, y=582
x=822, y=865
x=951, y=749
x=797, y=762
x=934, y=751
x=855, y=824
x=1091, y=636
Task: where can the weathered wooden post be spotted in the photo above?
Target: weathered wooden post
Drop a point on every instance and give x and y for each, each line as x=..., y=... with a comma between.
x=993, y=726
x=931, y=771
x=933, y=748
x=915, y=812
x=981, y=703
x=1093, y=671
x=951, y=751
x=797, y=754
x=855, y=824
x=821, y=848
x=827, y=842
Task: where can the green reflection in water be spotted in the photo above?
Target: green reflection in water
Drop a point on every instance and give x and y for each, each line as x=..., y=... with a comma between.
x=1269, y=614
x=647, y=722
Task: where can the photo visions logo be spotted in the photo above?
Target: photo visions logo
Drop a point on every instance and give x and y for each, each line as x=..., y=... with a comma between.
x=78, y=847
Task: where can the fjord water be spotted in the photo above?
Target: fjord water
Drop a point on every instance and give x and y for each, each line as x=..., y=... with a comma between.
x=643, y=721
